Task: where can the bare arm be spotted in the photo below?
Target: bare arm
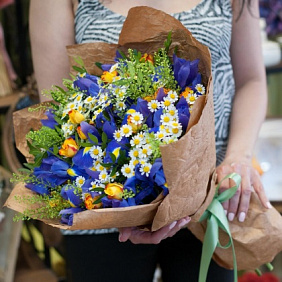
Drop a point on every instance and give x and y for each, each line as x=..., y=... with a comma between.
x=51, y=30
x=248, y=110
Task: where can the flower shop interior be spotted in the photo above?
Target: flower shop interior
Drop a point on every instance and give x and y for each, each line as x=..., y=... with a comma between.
x=33, y=251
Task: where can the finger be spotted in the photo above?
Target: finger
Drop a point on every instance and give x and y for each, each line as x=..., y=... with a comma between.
x=234, y=201
x=246, y=190
x=221, y=173
x=124, y=234
x=179, y=225
x=258, y=187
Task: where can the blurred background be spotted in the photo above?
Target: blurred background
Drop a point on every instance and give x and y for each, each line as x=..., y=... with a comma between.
x=31, y=251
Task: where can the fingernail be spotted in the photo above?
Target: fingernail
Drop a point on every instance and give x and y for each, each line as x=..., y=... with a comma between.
x=225, y=211
x=268, y=205
x=242, y=216
x=120, y=238
x=172, y=225
x=184, y=222
x=231, y=216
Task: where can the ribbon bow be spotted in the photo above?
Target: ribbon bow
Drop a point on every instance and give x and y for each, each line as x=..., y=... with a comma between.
x=216, y=219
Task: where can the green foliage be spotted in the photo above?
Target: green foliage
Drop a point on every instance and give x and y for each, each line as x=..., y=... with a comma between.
x=45, y=206
x=45, y=137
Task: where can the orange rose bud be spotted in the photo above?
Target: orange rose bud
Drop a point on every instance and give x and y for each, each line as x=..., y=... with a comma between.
x=76, y=117
x=148, y=58
x=89, y=202
x=80, y=133
x=114, y=190
x=69, y=148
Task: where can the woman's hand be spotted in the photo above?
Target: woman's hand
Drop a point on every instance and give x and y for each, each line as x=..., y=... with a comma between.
x=238, y=205
x=137, y=236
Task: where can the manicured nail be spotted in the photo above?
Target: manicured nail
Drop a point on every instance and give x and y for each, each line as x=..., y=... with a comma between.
x=184, y=222
x=225, y=211
x=172, y=225
x=268, y=205
x=231, y=216
x=242, y=216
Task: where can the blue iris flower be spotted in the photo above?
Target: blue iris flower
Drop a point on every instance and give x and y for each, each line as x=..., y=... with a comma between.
x=87, y=128
x=183, y=112
x=41, y=189
x=185, y=71
x=70, y=194
x=67, y=215
x=82, y=158
x=50, y=121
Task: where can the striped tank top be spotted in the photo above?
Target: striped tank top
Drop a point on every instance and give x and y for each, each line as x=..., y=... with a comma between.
x=210, y=22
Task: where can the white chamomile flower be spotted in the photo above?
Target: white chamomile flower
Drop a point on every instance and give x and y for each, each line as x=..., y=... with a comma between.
x=120, y=105
x=103, y=176
x=89, y=100
x=172, y=111
x=128, y=170
x=71, y=106
x=176, y=129
x=172, y=95
x=68, y=129
x=96, y=152
x=160, y=135
x=137, y=118
x=191, y=98
x=166, y=119
x=145, y=169
x=167, y=102
x=78, y=98
x=200, y=88
x=96, y=183
x=136, y=141
x=126, y=130
x=74, y=95
x=146, y=151
x=117, y=135
x=79, y=181
x=134, y=153
x=114, y=67
x=154, y=105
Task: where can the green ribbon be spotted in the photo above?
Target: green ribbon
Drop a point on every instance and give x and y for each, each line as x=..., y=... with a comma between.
x=216, y=219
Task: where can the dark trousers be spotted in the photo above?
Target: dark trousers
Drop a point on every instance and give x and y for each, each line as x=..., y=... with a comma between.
x=102, y=258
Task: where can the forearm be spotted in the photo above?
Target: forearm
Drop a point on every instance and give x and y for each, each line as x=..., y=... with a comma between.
x=248, y=113
x=51, y=30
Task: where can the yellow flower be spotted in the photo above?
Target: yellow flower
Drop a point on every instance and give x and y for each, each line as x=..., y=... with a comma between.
x=69, y=148
x=76, y=117
x=148, y=58
x=80, y=133
x=186, y=92
x=114, y=190
x=89, y=202
x=108, y=77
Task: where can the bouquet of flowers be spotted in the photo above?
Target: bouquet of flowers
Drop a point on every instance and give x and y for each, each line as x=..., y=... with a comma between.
x=109, y=151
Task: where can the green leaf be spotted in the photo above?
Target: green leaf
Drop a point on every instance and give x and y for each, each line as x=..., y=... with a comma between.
x=99, y=199
x=79, y=60
x=106, y=165
x=114, y=170
x=98, y=189
x=55, y=150
x=113, y=157
x=61, y=89
x=93, y=138
x=104, y=138
x=85, y=144
x=99, y=65
x=78, y=69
